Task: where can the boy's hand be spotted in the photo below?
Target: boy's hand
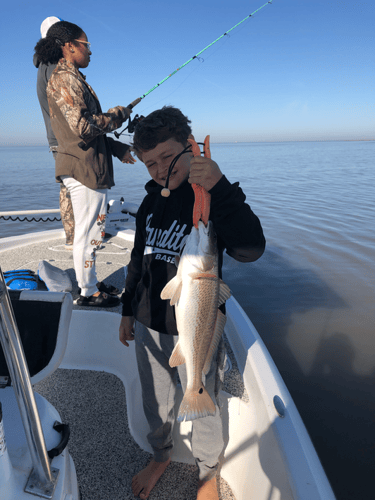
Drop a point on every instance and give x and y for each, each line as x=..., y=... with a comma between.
x=126, y=330
x=128, y=158
x=205, y=172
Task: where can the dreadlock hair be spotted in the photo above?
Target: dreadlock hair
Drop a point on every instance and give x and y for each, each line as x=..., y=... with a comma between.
x=159, y=126
x=49, y=49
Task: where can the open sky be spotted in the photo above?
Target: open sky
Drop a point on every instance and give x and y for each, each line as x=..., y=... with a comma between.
x=296, y=70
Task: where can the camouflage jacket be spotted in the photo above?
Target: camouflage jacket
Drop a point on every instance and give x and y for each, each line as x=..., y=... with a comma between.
x=84, y=152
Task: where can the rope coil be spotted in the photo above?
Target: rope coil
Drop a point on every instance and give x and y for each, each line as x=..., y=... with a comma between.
x=29, y=220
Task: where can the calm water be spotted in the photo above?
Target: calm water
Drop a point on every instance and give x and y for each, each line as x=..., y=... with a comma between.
x=311, y=296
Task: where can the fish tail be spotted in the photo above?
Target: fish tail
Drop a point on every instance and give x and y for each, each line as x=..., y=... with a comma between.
x=197, y=403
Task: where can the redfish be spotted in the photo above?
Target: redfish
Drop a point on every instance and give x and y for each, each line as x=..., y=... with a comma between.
x=197, y=292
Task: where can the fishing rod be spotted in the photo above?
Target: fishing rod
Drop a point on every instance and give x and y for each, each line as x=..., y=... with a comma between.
x=132, y=123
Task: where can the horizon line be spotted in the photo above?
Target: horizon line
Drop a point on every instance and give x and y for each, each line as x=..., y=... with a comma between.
x=227, y=142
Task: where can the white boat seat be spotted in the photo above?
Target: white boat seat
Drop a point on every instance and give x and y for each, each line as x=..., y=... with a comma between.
x=43, y=320
x=15, y=434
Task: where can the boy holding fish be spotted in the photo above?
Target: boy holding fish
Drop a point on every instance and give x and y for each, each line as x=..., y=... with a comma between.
x=163, y=349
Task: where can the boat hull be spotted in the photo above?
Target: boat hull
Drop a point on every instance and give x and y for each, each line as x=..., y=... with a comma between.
x=268, y=454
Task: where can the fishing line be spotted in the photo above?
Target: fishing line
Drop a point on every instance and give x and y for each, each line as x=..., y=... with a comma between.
x=201, y=60
x=133, y=123
x=175, y=90
x=165, y=191
x=199, y=53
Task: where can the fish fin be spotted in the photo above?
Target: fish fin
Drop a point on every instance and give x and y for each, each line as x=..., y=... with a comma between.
x=172, y=290
x=177, y=358
x=196, y=404
x=176, y=294
x=218, y=332
x=224, y=292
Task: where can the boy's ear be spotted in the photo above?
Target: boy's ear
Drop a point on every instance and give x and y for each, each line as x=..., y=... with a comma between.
x=191, y=137
x=138, y=154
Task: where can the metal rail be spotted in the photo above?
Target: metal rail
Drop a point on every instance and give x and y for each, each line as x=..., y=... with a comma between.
x=30, y=212
x=43, y=479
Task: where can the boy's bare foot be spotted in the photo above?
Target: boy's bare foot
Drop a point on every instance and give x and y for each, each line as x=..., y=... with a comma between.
x=146, y=479
x=207, y=490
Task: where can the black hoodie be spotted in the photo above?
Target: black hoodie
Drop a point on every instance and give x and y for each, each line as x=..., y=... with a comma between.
x=162, y=227
x=44, y=73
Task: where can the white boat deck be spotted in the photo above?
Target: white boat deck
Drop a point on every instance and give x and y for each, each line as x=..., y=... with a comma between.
x=269, y=455
x=104, y=453
x=111, y=259
x=93, y=403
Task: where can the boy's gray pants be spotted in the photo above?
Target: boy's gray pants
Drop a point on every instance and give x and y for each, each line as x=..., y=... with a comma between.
x=159, y=381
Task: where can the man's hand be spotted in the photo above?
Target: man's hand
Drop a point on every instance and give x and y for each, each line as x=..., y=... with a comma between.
x=128, y=158
x=205, y=172
x=121, y=113
x=126, y=112
x=126, y=330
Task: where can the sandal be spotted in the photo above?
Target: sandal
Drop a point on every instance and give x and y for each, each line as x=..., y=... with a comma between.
x=102, y=300
x=110, y=289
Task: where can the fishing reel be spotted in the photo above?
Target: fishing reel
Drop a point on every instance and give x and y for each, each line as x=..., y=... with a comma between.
x=130, y=127
x=132, y=123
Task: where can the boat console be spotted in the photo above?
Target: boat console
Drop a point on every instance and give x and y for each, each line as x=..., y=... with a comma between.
x=34, y=460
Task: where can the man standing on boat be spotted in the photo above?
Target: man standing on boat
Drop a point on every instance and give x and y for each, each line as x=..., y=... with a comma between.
x=84, y=160
x=162, y=225
x=44, y=73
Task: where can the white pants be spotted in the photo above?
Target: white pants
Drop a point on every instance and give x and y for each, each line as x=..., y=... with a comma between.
x=89, y=209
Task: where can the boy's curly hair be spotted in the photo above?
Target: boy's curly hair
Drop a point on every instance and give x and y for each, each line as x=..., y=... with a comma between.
x=159, y=126
x=49, y=49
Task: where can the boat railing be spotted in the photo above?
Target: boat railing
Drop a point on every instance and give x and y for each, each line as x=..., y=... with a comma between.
x=30, y=212
x=16, y=215
x=42, y=480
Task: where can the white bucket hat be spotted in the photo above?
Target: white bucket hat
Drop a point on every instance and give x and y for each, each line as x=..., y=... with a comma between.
x=47, y=23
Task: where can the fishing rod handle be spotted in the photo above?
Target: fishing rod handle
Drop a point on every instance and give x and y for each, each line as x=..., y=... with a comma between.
x=134, y=103
x=129, y=106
